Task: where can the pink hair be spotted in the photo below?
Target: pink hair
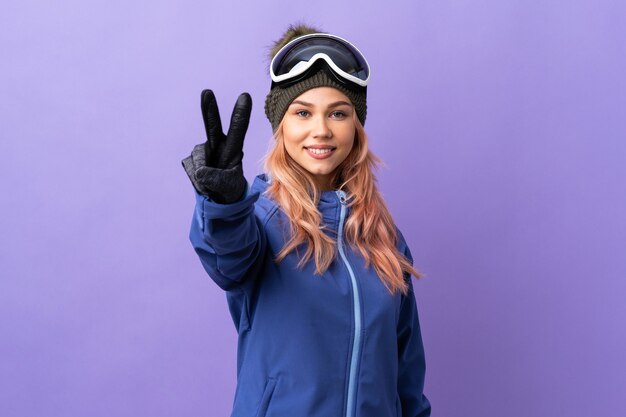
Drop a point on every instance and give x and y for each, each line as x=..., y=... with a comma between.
x=369, y=228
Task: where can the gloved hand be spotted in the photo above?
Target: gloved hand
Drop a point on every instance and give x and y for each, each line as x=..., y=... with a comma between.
x=214, y=167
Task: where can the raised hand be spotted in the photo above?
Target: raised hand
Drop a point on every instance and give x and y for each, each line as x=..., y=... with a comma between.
x=215, y=167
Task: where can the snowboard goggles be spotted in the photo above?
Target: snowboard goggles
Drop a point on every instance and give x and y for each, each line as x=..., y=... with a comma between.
x=294, y=60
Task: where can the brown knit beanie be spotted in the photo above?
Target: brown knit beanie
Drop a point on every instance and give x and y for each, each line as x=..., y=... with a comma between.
x=279, y=98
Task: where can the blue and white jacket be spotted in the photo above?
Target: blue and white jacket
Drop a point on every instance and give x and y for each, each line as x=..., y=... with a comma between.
x=339, y=345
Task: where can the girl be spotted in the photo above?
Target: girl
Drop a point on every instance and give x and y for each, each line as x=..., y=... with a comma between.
x=316, y=274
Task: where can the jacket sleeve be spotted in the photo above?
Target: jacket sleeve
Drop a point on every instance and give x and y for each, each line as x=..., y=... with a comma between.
x=412, y=362
x=228, y=238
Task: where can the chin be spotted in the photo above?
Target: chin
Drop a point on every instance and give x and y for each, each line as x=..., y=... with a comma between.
x=324, y=172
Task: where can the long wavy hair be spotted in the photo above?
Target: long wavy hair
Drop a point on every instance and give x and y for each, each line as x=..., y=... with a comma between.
x=369, y=227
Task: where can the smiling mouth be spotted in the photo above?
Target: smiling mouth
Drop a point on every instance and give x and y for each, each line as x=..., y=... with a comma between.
x=320, y=151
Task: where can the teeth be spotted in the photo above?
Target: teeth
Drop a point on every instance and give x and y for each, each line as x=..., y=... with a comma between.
x=319, y=151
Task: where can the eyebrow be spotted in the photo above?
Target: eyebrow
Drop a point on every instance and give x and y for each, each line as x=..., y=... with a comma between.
x=335, y=104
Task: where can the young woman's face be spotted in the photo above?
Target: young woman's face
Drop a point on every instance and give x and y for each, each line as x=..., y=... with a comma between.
x=318, y=132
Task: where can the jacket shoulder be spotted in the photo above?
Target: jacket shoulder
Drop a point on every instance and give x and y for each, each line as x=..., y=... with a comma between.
x=401, y=245
x=264, y=209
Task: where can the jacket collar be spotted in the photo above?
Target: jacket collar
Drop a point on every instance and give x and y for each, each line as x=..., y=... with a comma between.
x=329, y=204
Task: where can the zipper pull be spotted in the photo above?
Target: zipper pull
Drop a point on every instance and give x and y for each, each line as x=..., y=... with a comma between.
x=342, y=197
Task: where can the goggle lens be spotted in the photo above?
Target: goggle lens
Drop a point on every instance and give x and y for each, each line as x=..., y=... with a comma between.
x=343, y=54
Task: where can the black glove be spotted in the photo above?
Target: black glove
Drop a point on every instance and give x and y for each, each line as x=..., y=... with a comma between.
x=214, y=167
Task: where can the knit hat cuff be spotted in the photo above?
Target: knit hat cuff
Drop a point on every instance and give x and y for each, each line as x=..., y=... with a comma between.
x=278, y=99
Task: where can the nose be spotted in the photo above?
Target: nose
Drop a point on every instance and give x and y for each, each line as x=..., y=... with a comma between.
x=321, y=128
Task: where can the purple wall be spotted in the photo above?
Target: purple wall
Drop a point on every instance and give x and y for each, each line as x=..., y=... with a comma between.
x=507, y=119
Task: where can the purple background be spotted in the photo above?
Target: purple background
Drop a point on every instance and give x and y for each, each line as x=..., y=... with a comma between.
x=502, y=124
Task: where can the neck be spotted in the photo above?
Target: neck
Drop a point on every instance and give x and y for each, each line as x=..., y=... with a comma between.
x=323, y=184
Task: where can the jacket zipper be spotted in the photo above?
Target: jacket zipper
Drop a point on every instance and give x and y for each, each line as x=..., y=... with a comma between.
x=357, y=311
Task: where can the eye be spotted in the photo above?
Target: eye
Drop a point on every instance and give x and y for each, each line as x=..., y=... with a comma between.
x=338, y=114
x=302, y=113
